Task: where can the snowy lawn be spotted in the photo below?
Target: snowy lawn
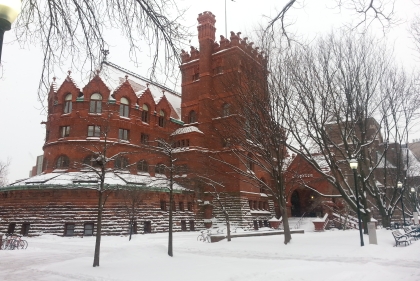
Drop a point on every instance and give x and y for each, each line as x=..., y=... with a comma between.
x=330, y=255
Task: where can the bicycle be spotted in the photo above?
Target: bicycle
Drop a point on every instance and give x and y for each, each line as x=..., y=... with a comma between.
x=204, y=236
x=14, y=241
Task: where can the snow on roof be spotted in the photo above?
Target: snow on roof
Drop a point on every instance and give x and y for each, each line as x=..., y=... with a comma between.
x=381, y=164
x=185, y=130
x=114, y=75
x=413, y=164
x=87, y=179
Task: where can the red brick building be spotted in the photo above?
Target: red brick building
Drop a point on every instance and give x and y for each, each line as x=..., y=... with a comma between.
x=124, y=114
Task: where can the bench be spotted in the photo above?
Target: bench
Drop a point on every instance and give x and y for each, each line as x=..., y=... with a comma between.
x=401, y=238
x=412, y=233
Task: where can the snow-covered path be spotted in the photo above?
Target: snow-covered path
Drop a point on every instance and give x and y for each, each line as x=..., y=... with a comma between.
x=331, y=255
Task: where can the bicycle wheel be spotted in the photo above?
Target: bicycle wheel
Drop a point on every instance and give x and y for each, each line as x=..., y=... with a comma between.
x=3, y=244
x=200, y=238
x=22, y=244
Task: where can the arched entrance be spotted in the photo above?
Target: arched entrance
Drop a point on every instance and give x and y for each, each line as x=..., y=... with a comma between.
x=296, y=208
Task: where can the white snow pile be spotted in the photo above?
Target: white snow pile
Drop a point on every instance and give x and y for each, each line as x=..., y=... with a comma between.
x=313, y=256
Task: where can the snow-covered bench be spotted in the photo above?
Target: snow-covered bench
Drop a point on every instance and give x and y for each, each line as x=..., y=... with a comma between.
x=401, y=238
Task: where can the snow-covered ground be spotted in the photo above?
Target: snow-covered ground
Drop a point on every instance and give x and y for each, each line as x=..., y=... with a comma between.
x=330, y=255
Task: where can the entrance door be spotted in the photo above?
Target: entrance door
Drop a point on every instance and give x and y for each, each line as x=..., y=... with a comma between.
x=295, y=200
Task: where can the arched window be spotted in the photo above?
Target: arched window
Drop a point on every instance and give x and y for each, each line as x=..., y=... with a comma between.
x=145, y=114
x=121, y=162
x=192, y=117
x=91, y=161
x=67, y=104
x=142, y=166
x=124, y=107
x=161, y=119
x=95, y=103
x=226, y=110
x=160, y=169
x=62, y=162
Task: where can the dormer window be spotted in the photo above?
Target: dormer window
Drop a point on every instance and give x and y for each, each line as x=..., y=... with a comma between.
x=67, y=104
x=124, y=107
x=95, y=105
x=192, y=117
x=145, y=114
x=161, y=119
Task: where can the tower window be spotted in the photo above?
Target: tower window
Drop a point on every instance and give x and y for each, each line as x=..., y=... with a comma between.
x=64, y=131
x=161, y=119
x=192, y=117
x=62, y=162
x=94, y=131
x=67, y=104
x=145, y=114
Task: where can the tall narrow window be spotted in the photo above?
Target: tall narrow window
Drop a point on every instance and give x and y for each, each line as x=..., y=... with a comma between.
x=69, y=229
x=161, y=119
x=160, y=169
x=62, y=162
x=67, y=104
x=124, y=107
x=192, y=117
x=144, y=138
x=88, y=229
x=94, y=131
x=226, y=110
x=123, y=134
x=142, y=166
x=95, y=103
x=145, y=114
x=64, y=131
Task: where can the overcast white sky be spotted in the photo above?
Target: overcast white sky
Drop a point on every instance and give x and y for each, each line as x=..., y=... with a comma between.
x=22, y=135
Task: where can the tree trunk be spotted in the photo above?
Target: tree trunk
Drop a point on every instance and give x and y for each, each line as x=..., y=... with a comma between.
x=283, y=207
x=227, y=227
x=131, y=227
x=170, y=244
x=98, y=231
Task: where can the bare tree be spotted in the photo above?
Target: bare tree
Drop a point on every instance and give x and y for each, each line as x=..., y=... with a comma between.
x=4, y=166
x=133, y=196
x=333, y=92
x=76, y=31
x=365, y=12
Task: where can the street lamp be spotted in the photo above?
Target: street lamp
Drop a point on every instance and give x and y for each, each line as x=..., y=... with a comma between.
x=400, y=186
x=353, y=165
x=9, y=10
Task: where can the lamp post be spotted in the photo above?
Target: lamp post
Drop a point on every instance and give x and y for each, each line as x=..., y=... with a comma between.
x=9, y=10
x=353, y=165
x=400, y=186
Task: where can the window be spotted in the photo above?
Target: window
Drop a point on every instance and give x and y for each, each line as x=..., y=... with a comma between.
x=260, y=205
x=147, y=227
x=173, y=206
x=25, y=229
x=227, y=142
x=124, y=107
x=123, y=134
x=262, y=185
x=91, y=161
x=144, y=138
x=69, y=229
x=121, y=162
x=226, y=110
x=192, y=117
x=163, y=205
x=64, y=131
x=11, y=228
x=47, y=135
x=190, y=206
x=88, y=229
x=196, y=76
x=218, y=70
x=160, y=169
x=161, y=120
x=192, y=228
x=181, y=206
x=94, y=131
x=145, y=114
x=95, y=103
x=142, y=166
x=67, y=104
x=183, y=225
x=250, y=162
x=251, y=206
x=62, y=162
